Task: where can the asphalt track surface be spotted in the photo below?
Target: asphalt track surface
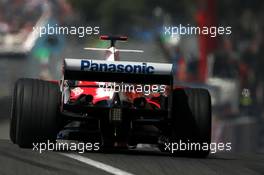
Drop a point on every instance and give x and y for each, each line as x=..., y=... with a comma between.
x=14, y=160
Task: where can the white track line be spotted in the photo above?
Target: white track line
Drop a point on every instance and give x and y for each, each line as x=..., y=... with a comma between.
x=96, y=164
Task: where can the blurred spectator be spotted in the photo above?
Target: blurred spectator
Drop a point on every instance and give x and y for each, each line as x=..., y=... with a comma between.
x=225, y=65
x=260, y=77
x=246, y=19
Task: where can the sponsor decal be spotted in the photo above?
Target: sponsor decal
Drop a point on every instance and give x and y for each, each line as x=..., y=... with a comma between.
x=143, y=68
x=77, y=91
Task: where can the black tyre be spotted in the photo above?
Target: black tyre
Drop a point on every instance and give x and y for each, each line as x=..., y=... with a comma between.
x=34, y=116
x=191, y=120
x=13, y=115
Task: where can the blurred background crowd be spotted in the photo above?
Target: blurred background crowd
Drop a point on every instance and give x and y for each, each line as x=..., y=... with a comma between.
x=230, y=66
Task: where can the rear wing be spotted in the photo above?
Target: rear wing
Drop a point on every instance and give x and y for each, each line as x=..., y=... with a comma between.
x=117, y=71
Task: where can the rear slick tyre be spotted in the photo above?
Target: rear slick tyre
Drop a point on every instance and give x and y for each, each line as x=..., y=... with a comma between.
x=35, y=109
x=191, y=120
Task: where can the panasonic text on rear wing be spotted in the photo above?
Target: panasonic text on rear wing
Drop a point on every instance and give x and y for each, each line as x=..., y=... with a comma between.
x=119, y=71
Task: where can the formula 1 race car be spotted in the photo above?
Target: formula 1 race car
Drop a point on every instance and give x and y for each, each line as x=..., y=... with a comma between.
x=118, y=104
